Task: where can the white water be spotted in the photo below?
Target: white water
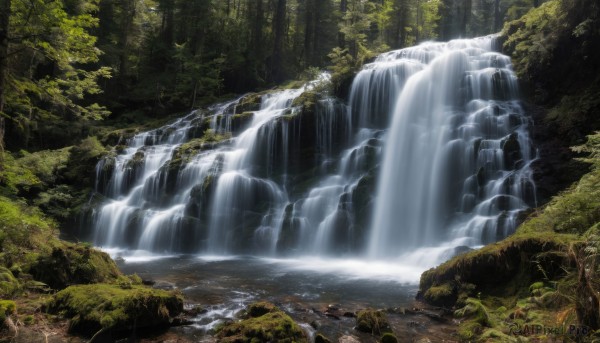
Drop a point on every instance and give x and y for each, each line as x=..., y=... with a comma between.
x=451, y=171
x=445, y=174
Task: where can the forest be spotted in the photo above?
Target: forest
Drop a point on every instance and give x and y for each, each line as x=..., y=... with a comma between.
x=220, y=169
x=89, y=60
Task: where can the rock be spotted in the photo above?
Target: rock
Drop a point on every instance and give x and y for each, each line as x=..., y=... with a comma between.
x=91, y=308
x=348, y=339
x=373, y=322
x=248, y=103
x=512, y=151
x=389, y=338
x=263, y=322
x=74, y=264
x=321, y=339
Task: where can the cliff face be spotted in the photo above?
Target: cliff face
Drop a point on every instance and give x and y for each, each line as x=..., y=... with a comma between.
x=542, y=274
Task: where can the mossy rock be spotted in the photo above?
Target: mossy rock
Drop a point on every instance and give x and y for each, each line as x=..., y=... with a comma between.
x=442, y=295
x=71, y=264
x=240, y=121
x=249, y=103
x=91, y=308
x=263, y=322
x=373, y=322
x=307, y=100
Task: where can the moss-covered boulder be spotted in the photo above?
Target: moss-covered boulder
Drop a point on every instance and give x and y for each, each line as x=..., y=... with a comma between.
x=373, y=322
x=262, y=322
x=250, y=102
x=71, y=264
x=115, y=308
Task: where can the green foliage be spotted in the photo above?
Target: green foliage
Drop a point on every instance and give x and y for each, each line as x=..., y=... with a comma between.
x=9, y=285
x=22, y=229
x=83, y=159
x=50, y=34
x=530, y=39
x=264, y=323
x=7, y=308
x=102, y=306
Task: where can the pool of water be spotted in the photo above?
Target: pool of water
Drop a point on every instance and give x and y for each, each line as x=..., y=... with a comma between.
x=305, y=288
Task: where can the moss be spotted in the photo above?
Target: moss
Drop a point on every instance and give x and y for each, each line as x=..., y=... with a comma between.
x=475, y=311
x=307, y=100
x=187, y=151
x=250, y=102
x=69, y=264
x=110, y=307
x=263, y=322
x=23, y=232
x=444, y=294
x=319, y=338
x=372, y=321
x=82, y=161
x=389, y=338
x=468, y=331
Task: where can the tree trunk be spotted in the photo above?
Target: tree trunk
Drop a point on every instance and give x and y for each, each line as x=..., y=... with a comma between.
x=279, y=29
x=343, y=10
x=4, y=21
x=497, y=19
x=308, y=32
x=129, y=11
x=466, y=18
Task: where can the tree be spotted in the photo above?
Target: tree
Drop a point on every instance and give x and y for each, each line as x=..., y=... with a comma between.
x=4, y=26
x=47, y=73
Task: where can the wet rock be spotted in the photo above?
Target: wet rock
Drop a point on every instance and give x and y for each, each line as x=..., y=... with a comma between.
x=512, y=151
x=250, y=102
x=348, y=339
x=389, y=338
x=321, y=339
x=164, y=285
x=349, y=314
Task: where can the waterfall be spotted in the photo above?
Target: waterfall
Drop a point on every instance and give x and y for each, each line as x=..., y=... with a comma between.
x=457, y=155
x=431, y=150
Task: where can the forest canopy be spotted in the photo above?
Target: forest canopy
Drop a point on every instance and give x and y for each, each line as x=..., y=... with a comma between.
x=79, y=60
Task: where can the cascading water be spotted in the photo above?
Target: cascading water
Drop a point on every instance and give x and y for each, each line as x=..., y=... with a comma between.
x=293, y=172
x=458, y=151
